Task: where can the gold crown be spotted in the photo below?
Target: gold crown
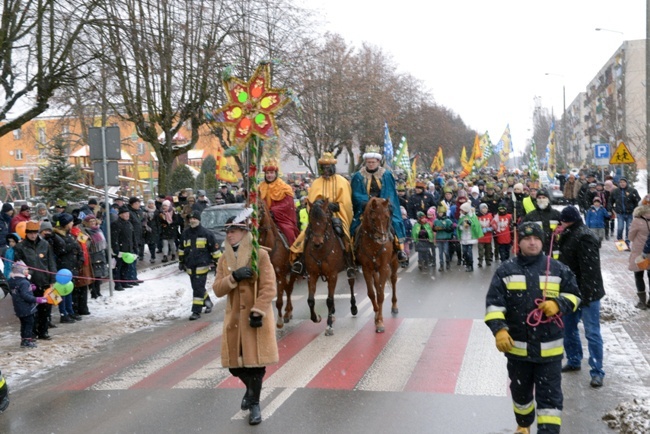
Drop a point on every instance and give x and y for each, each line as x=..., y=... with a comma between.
x=372, y=151
x=271, y=165
x=327, y=158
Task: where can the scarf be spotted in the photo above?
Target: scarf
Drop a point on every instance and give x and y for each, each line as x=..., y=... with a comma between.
x=98, y=241
x=150, y=211
x=169, y=215
x=240, y=258
x=82, y=240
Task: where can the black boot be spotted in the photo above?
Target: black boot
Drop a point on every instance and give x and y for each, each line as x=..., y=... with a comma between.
x=298, y=267
x=642, y=300
x=255, y=416
x=82, y=299
x=208, y=305
x=248, y=395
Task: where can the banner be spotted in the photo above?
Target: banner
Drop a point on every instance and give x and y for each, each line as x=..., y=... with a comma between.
x=388, y=147
x=402, y=159
x=224, y=170
x=533, y=166
x=438, y=162
x=550, y=152
x=504, y=147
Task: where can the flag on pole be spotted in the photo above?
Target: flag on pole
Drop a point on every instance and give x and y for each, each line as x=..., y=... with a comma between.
x=504, y=147
x=463, y=157
x=532, y=161
x=438, y=162
x=414, y=170
x=486, y=150
x=550, y=152
x=388, y=146
x=224, y=170
x=477, y=153
x=402, y=159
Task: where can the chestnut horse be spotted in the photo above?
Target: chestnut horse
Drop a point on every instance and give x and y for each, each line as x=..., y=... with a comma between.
x=279, y=254
x=376, y=255
x=323, y=256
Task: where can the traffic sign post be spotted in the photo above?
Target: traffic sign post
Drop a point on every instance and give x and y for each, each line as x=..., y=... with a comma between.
x=622, y=155
x=601, y=154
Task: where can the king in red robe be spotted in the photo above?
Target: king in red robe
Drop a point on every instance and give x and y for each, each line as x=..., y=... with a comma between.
x=278, y=196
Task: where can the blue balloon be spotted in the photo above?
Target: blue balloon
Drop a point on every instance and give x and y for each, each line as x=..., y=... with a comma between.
x=63, y=276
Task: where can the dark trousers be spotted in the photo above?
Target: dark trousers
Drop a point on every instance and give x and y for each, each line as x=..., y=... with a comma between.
x=454, y=247
x=26, y=326
x=120, y=274
x=544, y=380
x=504, y=252
x=638, y=280
x=43, y=315
x=485, y=252
x=198, y=291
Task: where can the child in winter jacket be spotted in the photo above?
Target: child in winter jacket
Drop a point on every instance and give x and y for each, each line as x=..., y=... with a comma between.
x=596, y=218
x=431, y=215
x=486, y=220
x=444, y=232
x=408, y=228
x=469, y=231
x=8, y=252
x=503, y=232
x=424, y=240
x=24, y=302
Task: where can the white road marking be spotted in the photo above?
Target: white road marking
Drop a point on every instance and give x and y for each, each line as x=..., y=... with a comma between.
x=393, y=367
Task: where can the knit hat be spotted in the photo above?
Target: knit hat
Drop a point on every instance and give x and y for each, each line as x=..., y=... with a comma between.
x=24, y=207
x=92, y=201
x=32, y=226
x=442, y=210
x=503, y=205
x=475, y=190
x=622, y=179
x=542, y=192
x=461, y=193
x=6, y=207
x=123, y=209
x=63, y=219
x=195, y=215
x=518, y=186
x=45, y=225
x=13, y=236
x=466, y=207
x=166, y=203
x=531, y=229
x=570, y=214
x=89, y=218
x=40, y=206
x=18, y=269
x=483, y=205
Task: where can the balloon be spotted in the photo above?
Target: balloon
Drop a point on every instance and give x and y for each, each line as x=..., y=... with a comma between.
x=20, y=229
x=64, y=289
x=128, y=258
x=63, y=276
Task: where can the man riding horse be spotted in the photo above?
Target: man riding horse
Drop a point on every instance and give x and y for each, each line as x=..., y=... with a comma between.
x=278, y=196
x=372, y=180
x=336, y=189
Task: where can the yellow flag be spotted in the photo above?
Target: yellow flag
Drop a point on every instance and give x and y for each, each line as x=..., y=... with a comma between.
x=438, y=162
x=225, y=172
x=413, y=174
x=477, y=152
x=463, y=157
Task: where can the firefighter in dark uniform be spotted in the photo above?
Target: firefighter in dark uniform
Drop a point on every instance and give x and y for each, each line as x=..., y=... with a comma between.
x=525, y=296
x=196, y=253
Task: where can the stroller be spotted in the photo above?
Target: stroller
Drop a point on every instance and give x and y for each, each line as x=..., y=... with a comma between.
x=426, y=254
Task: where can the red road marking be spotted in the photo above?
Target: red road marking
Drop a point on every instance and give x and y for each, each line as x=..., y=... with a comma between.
x=351, y=363
x=182, y=368
x=440, y=362
x=118, y=362
x=288, y=347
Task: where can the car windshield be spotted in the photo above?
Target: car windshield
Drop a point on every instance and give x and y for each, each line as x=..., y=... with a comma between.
x=216, y=218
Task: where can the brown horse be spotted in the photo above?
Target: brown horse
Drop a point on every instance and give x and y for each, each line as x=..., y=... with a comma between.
x=378, y=258
x=323, y=256
x=279, y=254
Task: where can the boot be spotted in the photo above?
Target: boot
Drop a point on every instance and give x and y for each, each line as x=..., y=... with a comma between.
x=642, y=301
x=28, y=343
x=255, y=416
x=208, y=305
x=164, y=259
x=248, y=395
x=195, y=316
x=448, y=265
x=522, y=430
x=67, y=319
x=351, y=269
x=442, y=267
x=83, y=301
x=298, y=267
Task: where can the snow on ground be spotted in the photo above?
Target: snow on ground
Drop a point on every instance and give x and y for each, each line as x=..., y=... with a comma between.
x=165, y=295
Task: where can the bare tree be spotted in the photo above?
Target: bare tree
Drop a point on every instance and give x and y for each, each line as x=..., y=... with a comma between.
x=165, y=56
x=37, y=38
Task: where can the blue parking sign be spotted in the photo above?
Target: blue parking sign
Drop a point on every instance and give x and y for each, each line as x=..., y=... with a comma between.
x=601, y=150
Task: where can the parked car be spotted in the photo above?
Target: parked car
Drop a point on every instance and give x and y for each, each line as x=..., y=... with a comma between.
x=553, y=187
x=214, y=218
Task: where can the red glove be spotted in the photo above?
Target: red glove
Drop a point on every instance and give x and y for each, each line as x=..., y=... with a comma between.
x=41, y=300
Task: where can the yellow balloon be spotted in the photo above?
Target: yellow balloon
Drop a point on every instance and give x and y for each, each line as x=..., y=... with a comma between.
x=236, y=112
x=20, y=229
x=266, y=102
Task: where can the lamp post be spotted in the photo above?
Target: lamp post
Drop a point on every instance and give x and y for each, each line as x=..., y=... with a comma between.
x=564, y=135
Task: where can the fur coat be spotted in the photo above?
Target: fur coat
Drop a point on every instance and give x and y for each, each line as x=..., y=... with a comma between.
x=639, y=230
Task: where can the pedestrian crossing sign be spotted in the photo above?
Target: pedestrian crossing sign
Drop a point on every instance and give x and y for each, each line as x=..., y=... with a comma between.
x=622, y=155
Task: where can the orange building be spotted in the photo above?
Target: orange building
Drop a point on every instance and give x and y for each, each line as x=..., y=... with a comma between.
x=24, y=150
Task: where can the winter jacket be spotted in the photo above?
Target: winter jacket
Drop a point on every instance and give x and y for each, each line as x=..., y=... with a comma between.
x=487, y=226
x=492, y=203
x=123, y=237
x=169, y=231
x=580, y=251
x=513, y=293
x=418, y=228
x=639, y=232
x=595, y=218
x=242, y=345
x=571, y=189
x=39, y=256
x=624, y=200
x=5, y=223
x=136, y=217
x=444, y=228
x=22, y=297
x=548, y=219
x=19, y=217
x=198, y=250
x=469, y=229
x=67, y=251
x=503, y=232
x=420, y=202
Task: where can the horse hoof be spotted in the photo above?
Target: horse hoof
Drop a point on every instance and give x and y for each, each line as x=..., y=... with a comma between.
x=279, y=325
x=287, y=319
x=318, y=319
x=329, y=331
x=394, y=311
x=354, y=310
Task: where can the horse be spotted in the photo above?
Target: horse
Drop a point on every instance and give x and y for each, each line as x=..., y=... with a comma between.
x=324, y=257
x=376, y=255
x=269, y=236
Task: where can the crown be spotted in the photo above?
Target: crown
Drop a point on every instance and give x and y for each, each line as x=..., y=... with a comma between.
x=372, y=151
x=271, y=165
x=327, y=158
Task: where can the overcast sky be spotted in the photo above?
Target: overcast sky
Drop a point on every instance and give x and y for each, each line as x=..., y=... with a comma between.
x=487, y=60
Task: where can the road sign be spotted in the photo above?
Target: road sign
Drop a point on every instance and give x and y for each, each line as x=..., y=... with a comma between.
x=112, y=172
x=622, y=155
x=112, y=143
x=602, y=154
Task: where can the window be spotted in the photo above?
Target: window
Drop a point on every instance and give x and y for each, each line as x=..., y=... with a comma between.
x=19, y=154
x=65, y=130
x=18, y=134
x=140, y=148
x=42, y=138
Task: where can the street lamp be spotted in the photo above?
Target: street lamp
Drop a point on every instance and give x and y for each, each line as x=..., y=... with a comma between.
x=564, y=135
x=600, y=29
